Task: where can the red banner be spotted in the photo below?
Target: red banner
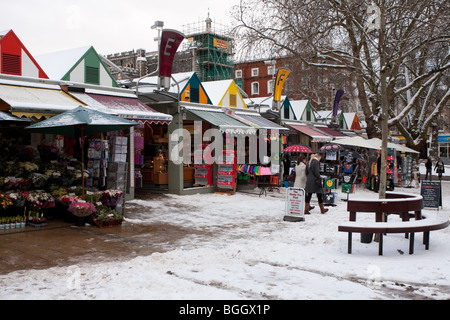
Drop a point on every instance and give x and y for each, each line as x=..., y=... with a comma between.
x=170, y=41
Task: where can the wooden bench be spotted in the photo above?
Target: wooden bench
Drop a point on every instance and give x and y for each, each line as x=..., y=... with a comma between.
x=410, y=227
x=402, y=204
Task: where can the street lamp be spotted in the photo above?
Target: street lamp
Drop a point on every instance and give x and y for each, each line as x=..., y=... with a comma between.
x=157, y=25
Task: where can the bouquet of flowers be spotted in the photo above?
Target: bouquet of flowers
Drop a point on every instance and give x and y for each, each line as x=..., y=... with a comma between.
x=18, y=198
x=36, y=201
x=111, y=198
x=5, y=201
x=81, y=208
x=66, y=200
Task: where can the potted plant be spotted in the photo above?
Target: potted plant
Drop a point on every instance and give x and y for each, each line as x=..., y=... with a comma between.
x=36, y=219
x=81, y=209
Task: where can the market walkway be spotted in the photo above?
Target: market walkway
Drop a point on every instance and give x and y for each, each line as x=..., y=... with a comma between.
x=61, y=244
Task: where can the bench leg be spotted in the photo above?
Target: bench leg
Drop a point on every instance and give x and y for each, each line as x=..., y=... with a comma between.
x=349, y=250
x=380, y=245
x=426, y=240
x=411, y=243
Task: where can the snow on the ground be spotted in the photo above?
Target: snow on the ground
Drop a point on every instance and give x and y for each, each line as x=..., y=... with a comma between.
x=244, y=250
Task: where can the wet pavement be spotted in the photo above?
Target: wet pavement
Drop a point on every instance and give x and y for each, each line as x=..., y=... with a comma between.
x=63, y=244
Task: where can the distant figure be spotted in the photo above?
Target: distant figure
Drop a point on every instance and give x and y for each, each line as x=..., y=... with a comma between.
x=286, y=166
x=440, y=168
x=429, y=167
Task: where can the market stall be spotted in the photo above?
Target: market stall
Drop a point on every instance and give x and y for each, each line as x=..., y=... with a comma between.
x=47, y=188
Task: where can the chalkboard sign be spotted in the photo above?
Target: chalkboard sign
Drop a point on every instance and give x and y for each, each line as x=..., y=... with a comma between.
x=431, y=192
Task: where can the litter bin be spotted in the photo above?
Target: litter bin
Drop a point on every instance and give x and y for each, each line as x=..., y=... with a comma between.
x=366, y=237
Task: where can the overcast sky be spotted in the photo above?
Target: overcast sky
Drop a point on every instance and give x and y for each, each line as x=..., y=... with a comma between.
x=110, y=26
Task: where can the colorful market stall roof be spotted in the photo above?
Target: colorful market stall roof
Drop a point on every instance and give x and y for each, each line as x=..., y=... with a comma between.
x=315, y=135
x=123, y=105
x=15, y=59
x=36, y=100
x=189, y=84
x=225, y=93
x=82, y=65
x=303, y=110
x=349, y=121
x=263, y=104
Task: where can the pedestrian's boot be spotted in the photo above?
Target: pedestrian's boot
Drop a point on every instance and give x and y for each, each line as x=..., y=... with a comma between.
x=322, y=208
x=307, y=208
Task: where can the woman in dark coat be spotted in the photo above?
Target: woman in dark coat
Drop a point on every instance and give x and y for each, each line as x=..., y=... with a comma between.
x=314, y=183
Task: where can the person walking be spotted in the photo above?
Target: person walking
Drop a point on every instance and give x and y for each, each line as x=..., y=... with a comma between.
x=439, y=168
x=314, y=183
x=429, y=167
x=286, y=166
x=300, y=173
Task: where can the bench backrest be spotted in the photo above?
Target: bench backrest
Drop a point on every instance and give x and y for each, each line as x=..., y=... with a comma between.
x=393, y=204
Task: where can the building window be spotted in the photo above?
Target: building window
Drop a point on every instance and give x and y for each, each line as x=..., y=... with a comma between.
x=238, y=74
x=271, y=70
x=255, y=72
x=255, y=88
x=270, y=86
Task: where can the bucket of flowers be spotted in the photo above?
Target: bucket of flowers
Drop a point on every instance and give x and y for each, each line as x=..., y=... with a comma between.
x=106, y=217
x=111, y=198
x=5, y=201
x=81, y=209
x=18, y=201
x=36, y=219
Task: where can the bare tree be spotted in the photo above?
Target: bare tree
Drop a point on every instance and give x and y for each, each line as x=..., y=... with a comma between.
x=343, y=35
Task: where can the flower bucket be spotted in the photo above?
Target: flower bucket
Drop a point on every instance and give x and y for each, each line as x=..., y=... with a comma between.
x=80, y=221
x=111, y=202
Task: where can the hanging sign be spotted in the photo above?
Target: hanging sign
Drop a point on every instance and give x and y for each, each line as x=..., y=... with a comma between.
x=170, y=41
x=295, y=205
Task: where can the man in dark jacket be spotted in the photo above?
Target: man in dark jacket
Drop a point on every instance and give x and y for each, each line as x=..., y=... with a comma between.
x=314, y=183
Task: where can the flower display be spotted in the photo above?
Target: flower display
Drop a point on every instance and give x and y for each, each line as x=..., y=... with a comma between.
x=111, y=198
x=81, y=208
x=36, y=201
x=5, y=201
x=18, y=198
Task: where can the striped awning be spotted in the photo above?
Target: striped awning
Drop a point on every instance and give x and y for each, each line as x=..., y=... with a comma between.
x=124, y=106
x=224, y=122
x=36, y=102
x=315, y=135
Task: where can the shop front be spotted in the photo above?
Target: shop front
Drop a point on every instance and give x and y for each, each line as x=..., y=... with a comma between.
x=267, y=169
x=197, y=130
x=444, y=147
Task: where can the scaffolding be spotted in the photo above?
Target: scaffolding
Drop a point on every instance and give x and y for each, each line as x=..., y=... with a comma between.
x=212, y=48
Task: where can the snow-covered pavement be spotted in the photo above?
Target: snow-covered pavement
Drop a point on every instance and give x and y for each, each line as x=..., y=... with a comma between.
x=242, y=249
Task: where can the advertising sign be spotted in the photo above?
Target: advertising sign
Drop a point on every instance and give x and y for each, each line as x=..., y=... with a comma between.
x=282, y=75
x=170, y=41
x=295, y=205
